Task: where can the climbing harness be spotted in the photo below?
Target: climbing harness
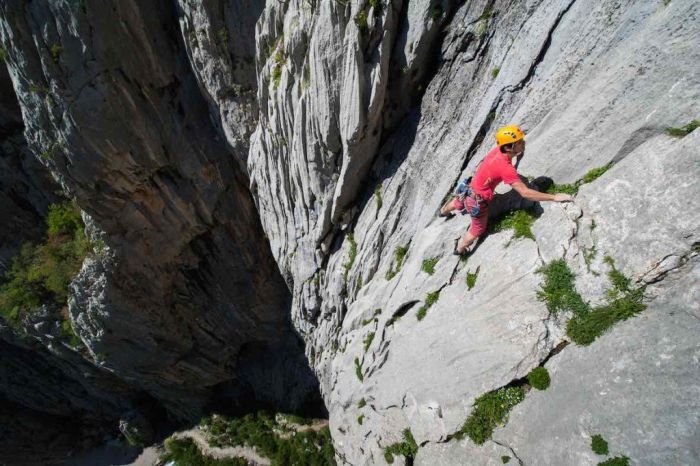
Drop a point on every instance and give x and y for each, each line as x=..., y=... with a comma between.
x=463, y=191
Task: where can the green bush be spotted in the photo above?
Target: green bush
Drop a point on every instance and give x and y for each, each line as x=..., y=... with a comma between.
x=617, y=461
x=538, y=378
x=362, y=403
x=520, y=221
x=428, y=265
x=352, y=254
x=505, y=459
x=361, y=20
x=55, y=51
x=430, y=299
x=683, y=130
x=494, y=72
x=378, y=196
x=408, y=448
x=184, y=452
x=42, y=273
x=436, y=13
x=262, y=431
x=490, y=410
x=599, y=445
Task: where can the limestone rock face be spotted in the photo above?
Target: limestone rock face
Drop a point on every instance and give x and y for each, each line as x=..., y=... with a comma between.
x=345, y=174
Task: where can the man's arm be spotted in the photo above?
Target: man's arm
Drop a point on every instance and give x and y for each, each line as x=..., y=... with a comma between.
x=532, y=195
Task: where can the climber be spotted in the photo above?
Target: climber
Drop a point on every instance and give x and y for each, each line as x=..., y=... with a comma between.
x=475, y=193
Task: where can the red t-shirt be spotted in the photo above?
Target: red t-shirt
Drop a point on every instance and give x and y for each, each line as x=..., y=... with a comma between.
x=495, y=167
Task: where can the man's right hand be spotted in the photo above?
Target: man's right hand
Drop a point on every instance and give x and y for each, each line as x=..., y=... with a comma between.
x=563, y=197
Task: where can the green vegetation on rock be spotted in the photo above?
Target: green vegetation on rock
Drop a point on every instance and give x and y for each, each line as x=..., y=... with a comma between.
x=378, y=196
x=589, y=177
x=368, y=341
x=277, y=441
x=430, y=299
x=490, y=410
x=428, y=265
x=539, y=378
x=471, y=278
x=587, y=324
x=505, y=459
x=408, y=448
x=599, y=445
x=399, y=255
x=436, y=13
x=362, y=403
x=520, y=221
x=358, y=370
x=683, y=130
x=617, y=461
x=494, y=72
x=41, y=273
x=55, y=51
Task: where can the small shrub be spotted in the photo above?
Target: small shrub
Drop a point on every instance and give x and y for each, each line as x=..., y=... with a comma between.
x=408, y=448
x=490, y=410
x=471, y=278
x=55, y=51
x=368, y=340
x=494, y=72
x=352, y=254
x=376, y=4
x=358, y=370
x=362, y=403
x=619, y=281
x=505, y=459
x=683, y=130
x=486, y=15
x=539, y=378
x=360, y=418
x=617, y=461
x=436, y=13
x=3, y=54
x=481, y=28
x=599, y=445
x=430, y=299
x=428, y=265
x=520, y=221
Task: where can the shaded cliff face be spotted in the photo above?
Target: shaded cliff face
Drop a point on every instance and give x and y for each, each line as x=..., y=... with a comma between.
x=185, y=293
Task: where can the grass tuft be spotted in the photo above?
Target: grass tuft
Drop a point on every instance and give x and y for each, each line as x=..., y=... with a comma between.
x=399, y=255
x=683, y=131
x=378, y=196
x=471, y=278
x=494, y=72
x=490, y=410
x=428, y=265
x=408, y=448
x=599, y=445
x=539, y=378
x=589, y=177
x=55, y=51
x=520, y=221
x=430, y=299
x=505, y=459
x=362, y=403
x=558, y=291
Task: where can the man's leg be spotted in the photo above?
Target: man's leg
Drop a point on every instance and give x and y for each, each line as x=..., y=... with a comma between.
x=452, y=204
x=467, y=239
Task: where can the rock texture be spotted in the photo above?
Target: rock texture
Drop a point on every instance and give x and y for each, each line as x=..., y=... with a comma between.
x=206, y=141
x=339, y=192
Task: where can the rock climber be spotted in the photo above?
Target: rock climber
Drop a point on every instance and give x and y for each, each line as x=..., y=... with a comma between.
x=474, y=194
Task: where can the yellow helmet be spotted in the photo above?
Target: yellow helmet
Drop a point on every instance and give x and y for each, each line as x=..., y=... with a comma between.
x=508, y=135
